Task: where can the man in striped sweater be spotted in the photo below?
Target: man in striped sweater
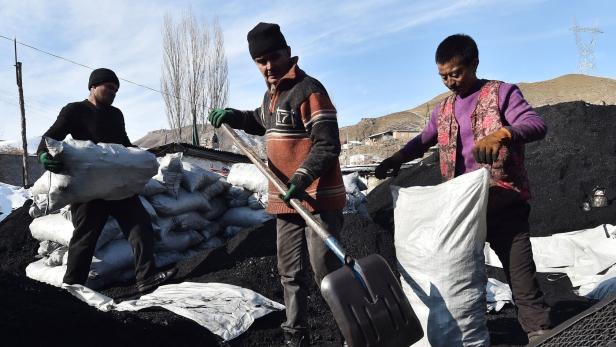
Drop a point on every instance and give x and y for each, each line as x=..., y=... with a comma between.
x=301, y=130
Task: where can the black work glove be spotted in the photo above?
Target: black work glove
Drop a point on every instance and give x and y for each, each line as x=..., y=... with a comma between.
x=392, y=163
x=218, y=116
x=50, y=163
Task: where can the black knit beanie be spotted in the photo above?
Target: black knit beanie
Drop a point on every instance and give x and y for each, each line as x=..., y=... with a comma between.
x=102, y=75
x=265, y=38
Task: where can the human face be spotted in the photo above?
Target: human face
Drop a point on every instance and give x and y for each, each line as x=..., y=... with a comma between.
x=458, y=77
x=273, y=66
x=105, y=93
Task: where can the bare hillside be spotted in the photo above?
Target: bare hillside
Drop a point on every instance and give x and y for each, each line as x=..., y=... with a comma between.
x=206, y=135
x=574, y=87
x=591, y=89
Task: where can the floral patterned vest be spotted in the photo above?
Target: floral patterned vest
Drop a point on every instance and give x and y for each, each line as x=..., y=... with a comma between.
x=508, y=171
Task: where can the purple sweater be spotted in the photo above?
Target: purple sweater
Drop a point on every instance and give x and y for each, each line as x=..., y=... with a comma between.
x=519, y=117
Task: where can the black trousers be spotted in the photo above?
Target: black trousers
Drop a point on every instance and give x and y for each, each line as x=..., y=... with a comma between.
x=509, y=236
x=89, y=219
x=298, y=245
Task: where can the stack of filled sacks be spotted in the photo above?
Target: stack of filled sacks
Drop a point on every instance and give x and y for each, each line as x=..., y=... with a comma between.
x=192, y=209
x=355, y=198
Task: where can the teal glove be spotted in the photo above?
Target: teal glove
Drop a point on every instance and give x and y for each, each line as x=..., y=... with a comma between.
x=220, y=115
x=50, y=164
x=297, y=188
x=292, y=193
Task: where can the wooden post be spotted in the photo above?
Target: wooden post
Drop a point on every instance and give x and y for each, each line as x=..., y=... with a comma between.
x=24, y=141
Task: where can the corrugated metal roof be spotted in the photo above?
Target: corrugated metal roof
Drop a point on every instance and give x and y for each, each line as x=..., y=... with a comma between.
x=200, y=152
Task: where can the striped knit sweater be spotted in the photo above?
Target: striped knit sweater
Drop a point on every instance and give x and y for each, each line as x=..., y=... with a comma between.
x=303, y=144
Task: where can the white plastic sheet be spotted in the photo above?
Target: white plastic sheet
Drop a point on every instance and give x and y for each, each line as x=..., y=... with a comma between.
x=498, y=294
x=439, y=238
x=225, y=310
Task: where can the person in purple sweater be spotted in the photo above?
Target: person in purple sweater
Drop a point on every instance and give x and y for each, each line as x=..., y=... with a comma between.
x=486, y=123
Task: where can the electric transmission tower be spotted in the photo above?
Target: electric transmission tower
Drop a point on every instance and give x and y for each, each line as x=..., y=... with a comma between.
x=586, y=49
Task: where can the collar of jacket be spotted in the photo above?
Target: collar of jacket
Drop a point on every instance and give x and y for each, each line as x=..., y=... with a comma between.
x=289, y=78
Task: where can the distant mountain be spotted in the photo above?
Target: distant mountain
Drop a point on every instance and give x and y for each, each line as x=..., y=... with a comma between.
x=591, y=89
x=573, y=87
x=16, y=147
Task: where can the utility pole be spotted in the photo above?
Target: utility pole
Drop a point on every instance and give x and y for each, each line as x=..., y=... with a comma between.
x=24, y=141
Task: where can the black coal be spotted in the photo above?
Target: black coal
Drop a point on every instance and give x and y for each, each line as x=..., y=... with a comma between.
x=578, y=154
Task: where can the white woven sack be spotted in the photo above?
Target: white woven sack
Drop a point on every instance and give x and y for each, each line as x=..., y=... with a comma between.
x=196, y=178
x=244, y=217
x=91, y=171
x=440, y=233
x=218, y=208
x=153, y=187
x=352, y=183
x=166, y=205
x=247, y=176
x=190, y=221
x=170, y=172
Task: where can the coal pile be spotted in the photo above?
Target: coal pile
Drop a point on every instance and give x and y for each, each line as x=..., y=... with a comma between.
x=578, y=153
x=247, y=260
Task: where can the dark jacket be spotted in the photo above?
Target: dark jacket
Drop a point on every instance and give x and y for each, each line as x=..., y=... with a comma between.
x=84, y=121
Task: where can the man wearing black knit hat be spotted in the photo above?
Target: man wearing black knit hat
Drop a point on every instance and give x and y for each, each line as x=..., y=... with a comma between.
x=96, y=120
x=302, y=148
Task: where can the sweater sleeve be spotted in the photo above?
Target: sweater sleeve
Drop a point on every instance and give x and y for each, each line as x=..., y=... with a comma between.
x=522, y=121
x=249, y=121
x=58, y=130
x=320, y=120
x=421, y=143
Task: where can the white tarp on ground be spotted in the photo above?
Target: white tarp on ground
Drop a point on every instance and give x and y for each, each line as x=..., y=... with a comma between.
x=11, y=197
x=498, y=295
x=584, y=255
x=439, y=237
x=225, y=310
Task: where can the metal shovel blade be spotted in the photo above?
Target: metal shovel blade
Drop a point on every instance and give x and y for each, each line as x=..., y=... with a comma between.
x=376, y=315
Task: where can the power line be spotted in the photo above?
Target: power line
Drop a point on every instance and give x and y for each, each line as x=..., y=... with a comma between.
x=91, y=68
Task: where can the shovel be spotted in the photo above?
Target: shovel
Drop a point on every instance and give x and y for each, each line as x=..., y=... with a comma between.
x=363, y=295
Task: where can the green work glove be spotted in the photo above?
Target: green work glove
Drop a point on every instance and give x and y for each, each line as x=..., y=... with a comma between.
x=220, y=115
x=294, y=192
x=297, y=188
x=50, y=164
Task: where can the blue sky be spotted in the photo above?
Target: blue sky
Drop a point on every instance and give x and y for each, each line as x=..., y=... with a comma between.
x=374, y=57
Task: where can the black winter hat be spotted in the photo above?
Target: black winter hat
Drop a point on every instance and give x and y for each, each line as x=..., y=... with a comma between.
x=102, y=75
x=265, y=38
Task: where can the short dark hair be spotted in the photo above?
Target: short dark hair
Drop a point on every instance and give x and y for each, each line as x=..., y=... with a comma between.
x=458, y=45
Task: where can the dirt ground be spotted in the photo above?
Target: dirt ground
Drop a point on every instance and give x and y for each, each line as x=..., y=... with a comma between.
x=578, y=153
